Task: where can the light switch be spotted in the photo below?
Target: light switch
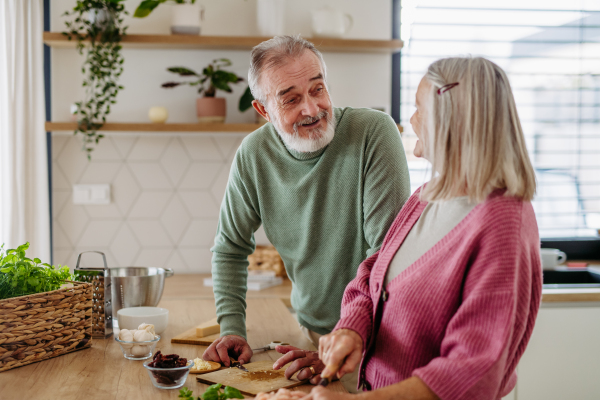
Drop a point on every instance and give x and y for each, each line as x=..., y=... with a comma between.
x=91, y=194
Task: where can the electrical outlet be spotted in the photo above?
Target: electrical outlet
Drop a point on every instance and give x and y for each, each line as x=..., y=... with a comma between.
x=91, y=194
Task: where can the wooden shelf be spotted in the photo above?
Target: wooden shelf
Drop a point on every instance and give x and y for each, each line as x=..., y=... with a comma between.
x=58, y=40
x=150, y=127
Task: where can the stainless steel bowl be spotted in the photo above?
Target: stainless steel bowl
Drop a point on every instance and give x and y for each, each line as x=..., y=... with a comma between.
x=137, y=286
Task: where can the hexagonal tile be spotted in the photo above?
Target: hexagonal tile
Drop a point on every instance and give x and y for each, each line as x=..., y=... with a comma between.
x=175, y=218
x=200, y=175
x=125, y=246
x=98, y=233
x=150, y=175
x=58, y=142
x=150, y=233
x=176, y=263
x=123, y=144
x=175, y=161
x=59, y=238
x=62, y=257
x=219, y=185
x=198, y=260
x=202, y=148
x=150, y=204
x=124, y=190
x=199, y=204
x=100, y=172
x=73, y=219
x=99, y=211
x=59, y=180
x=105, y=150
x=200, y=233
x=153, y=257
x=72, y=160
x=59, y=199
x=228, y=145
x=148, y=148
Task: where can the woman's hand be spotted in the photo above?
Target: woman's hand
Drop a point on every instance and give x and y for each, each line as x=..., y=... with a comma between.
x=302, y=361
x=341, y=346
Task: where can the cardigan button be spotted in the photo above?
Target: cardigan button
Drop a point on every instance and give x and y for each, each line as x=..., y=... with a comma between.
x=384, y=295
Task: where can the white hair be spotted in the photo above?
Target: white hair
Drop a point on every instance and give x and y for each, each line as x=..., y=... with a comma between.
x=273, y=53
x=318, y=138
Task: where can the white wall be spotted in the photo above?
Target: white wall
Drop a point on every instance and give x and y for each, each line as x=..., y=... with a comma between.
x=167, y=188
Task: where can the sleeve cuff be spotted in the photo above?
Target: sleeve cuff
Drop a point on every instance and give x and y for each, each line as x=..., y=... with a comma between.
x=232, y=325
x=360, y=325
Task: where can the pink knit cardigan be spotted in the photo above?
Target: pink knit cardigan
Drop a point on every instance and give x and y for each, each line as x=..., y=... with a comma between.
x=460, y=317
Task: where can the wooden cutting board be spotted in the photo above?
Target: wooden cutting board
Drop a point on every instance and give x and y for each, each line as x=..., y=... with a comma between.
x=189, y=337
x=261, y=378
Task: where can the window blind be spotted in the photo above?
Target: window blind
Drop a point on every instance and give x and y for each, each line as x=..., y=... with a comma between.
x=551, y=53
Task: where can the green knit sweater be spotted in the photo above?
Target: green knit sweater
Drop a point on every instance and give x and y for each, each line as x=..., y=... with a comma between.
x=324, y=212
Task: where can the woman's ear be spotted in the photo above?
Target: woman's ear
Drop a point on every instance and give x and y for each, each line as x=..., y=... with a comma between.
x=261, y=109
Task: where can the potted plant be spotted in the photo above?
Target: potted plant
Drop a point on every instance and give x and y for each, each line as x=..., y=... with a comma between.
x=186, y=17
x=98, y=29
x=209, y=108
x=53, y=319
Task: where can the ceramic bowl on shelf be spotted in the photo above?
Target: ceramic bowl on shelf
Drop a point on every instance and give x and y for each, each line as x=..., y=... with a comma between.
x=168, y=378
x=138, y=350
x=130, y=318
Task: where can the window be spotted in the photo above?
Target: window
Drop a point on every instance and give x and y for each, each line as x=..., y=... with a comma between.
x=551, y=53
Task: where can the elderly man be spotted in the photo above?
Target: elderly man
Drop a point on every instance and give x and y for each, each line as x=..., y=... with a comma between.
x=325, y=183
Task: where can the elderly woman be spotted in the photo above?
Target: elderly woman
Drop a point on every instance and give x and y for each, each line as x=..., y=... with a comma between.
x=446, y=307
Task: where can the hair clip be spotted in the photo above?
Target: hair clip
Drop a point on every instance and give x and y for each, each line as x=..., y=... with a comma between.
x=447, y=87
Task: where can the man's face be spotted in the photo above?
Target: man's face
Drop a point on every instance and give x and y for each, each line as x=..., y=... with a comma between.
x=298, y=102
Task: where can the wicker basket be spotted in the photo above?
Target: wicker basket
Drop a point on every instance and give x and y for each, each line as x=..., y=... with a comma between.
x=40, y=326
x=266, y=258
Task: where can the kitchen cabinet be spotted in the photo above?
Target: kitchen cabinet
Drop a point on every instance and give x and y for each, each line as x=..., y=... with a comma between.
x=562, y=360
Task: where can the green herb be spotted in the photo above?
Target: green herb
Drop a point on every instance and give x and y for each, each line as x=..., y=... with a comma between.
x=20, y=275
x=213, y=393
x=146, y=6
x=211, y=79
x=101, y=39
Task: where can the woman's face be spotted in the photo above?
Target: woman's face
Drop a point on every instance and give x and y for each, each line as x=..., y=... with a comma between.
x=419, y=118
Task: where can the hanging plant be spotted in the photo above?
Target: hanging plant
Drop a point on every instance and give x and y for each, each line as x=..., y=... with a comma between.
x=98, y=29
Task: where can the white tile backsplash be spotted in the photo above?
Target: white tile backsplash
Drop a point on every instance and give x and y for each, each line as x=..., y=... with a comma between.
x=150, y=175
x=166, y=194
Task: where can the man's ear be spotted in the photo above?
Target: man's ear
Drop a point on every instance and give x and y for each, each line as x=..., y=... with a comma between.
x=261, y=110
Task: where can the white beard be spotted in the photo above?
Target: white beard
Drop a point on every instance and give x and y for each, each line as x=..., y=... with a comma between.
x=317, y=138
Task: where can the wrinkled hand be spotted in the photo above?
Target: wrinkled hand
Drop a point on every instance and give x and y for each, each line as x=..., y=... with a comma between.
x=302, y=360
x=230, y=345
x=321, y=393
x=337, y=346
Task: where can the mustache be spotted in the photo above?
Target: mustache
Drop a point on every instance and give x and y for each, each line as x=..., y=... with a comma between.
x=310, y=120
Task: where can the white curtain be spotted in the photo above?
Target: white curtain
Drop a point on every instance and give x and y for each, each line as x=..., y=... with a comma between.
x=24, y=203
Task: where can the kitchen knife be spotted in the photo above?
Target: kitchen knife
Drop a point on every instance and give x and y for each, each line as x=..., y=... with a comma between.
x=325, y=380
x=235, y=363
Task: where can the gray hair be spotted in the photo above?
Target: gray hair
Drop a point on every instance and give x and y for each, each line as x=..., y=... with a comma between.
x=274, y=53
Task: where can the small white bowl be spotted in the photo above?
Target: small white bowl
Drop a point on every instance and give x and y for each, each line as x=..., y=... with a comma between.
x=130, y=318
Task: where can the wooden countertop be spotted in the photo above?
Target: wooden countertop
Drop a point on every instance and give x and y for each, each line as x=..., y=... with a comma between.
x=101, y=372
x=185, y=286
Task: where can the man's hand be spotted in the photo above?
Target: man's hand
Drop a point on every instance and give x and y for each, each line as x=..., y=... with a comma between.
x=302, y=361
x=337, y=346
x=230, y=345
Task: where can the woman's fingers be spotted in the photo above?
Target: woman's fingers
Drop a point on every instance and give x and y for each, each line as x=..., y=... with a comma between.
x=297, y=366
x=341, y=345
x=289, y=357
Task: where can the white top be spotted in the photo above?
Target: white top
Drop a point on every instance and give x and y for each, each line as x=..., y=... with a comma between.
x=436, y=221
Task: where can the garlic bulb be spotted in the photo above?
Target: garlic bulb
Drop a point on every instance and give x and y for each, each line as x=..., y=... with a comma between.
x=140, y=350
x=142, y=336
x=147, y=327
x=126, y=335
